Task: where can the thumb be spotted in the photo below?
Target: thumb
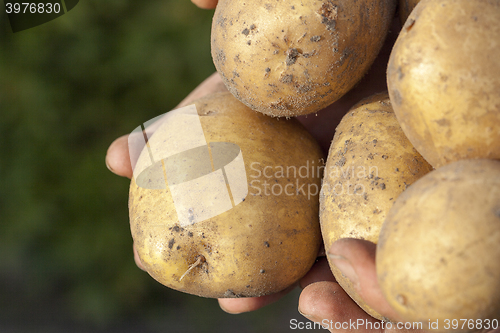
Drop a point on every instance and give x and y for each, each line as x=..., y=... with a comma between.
x=205, y=4
x=355, y=258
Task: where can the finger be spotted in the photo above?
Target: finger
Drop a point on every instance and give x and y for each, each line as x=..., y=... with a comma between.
x=205, y=4
x=356, y=260
x=328, y=304
x=118, y=159
x=212, y=84
x=137, y=259
x=241, y=305
x=319, y=272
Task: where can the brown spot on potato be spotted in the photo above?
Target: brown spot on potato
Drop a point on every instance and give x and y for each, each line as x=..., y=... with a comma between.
x=409, y=24
x=341, y=162
x=287, y=78
x=315, y=39
x=221, y=57
x=230, y=294
x=177, y=228
x=171, y=243
x=443, y=122
x=329, y=12
x=221, y=21
x=266, y=244
x=397, y=97
x=401, y=75
x=401, y=299
x=245, y=32
x=310, y=54
x=291, y=56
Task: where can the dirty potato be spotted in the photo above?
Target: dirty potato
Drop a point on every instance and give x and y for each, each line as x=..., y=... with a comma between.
x=294, y=57
x=438, y=256
x=444, y=79
x=369, y=164
x=266, y=239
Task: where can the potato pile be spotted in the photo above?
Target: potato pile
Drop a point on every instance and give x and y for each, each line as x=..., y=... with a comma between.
x=414, y=169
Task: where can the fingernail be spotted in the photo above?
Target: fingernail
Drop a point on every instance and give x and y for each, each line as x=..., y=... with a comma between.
x=310, y=317
x=345, y=267
x=223, y=308
x=107, y=164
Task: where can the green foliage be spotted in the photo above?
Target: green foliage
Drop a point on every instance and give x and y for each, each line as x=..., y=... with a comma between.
x=68, y=88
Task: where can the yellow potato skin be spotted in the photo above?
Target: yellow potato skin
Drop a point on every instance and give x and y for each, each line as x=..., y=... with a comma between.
x=295, y=57
x=444, y=80
x=438, y=256
x=369, y=164
x=261, y=246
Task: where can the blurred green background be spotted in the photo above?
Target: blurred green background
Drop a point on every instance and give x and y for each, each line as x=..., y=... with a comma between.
x=68, y=88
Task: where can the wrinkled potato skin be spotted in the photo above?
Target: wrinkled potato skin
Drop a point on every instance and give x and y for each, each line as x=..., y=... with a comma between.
x=295, y=57
x=405, y=8
x=438, y=254
x=261, y=246
x=369, y=141
x=444, y=80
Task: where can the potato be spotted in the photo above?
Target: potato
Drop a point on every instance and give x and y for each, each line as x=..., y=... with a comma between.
x=294, y=57
x=369, y=164
x=405, y=8
x=438, y=256
x=266, y=239
x=444, y=80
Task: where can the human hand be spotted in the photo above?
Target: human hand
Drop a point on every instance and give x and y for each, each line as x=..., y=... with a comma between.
x=206, y=4
x=325, y=302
